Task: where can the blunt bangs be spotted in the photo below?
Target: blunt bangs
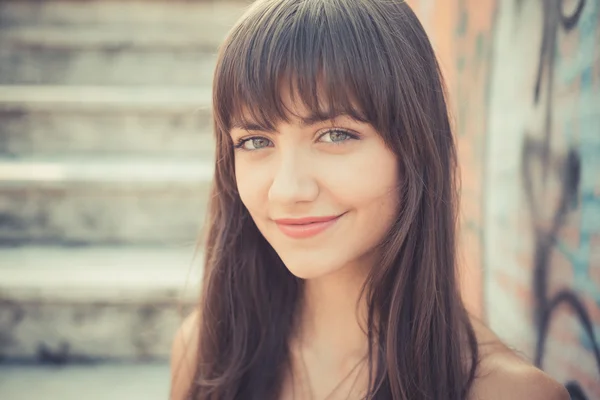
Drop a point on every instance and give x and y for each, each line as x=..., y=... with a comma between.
x=324, y=53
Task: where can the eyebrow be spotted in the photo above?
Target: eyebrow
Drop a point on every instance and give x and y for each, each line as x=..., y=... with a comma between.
x=304, y=122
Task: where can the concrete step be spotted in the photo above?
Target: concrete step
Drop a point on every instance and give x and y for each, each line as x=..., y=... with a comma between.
x=103, y=200
x=51, y=43
x=94, y=382
x=118, y=12
x=61, y=56
x=86, y=304
x=92, y=121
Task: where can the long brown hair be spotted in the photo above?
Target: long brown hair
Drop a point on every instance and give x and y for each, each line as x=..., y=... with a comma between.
x=370, y=59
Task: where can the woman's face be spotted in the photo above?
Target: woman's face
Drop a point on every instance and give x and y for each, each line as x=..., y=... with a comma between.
x=323, y=194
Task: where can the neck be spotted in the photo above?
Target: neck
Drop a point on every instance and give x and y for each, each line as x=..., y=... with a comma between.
x=333, y=317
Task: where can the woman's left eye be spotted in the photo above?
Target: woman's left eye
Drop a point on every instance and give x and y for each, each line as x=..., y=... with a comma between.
x=336, y=136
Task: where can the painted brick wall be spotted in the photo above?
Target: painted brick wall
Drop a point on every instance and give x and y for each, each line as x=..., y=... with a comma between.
x=462, y=33
x=524, y=77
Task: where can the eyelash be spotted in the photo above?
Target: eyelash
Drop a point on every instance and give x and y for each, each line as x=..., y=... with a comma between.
x=351, y=136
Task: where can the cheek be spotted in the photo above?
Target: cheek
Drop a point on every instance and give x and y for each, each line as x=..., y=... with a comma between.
x=252, y=182
x=368, y=180
x=369, y=188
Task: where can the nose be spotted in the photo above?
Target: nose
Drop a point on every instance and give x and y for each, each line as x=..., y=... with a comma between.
x=293, y=181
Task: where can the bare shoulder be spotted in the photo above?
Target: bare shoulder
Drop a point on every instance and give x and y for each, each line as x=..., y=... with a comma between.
x=184, y=353
x=503, y=379
x=504, y=375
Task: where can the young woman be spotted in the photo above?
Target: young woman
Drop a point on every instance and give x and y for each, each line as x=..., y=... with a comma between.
x=330, y=268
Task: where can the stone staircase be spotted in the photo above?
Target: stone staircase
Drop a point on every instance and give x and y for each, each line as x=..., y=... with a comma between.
x=106, y=159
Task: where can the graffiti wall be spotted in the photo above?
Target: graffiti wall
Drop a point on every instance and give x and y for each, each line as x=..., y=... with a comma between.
x=542, y=186
x=524, y=78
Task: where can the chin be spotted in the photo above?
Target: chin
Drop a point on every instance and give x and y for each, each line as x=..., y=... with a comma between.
x=306, y=273
x=311, y=268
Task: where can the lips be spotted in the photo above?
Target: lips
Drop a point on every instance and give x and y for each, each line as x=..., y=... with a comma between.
x=299, y=228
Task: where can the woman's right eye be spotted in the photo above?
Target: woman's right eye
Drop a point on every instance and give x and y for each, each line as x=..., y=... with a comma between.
x=253, y=143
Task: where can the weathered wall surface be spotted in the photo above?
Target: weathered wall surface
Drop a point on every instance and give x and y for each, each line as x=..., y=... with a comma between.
x=524, y=77
x=542, y=187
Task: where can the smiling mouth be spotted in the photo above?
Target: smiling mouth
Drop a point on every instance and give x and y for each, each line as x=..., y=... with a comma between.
x=306, y=227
